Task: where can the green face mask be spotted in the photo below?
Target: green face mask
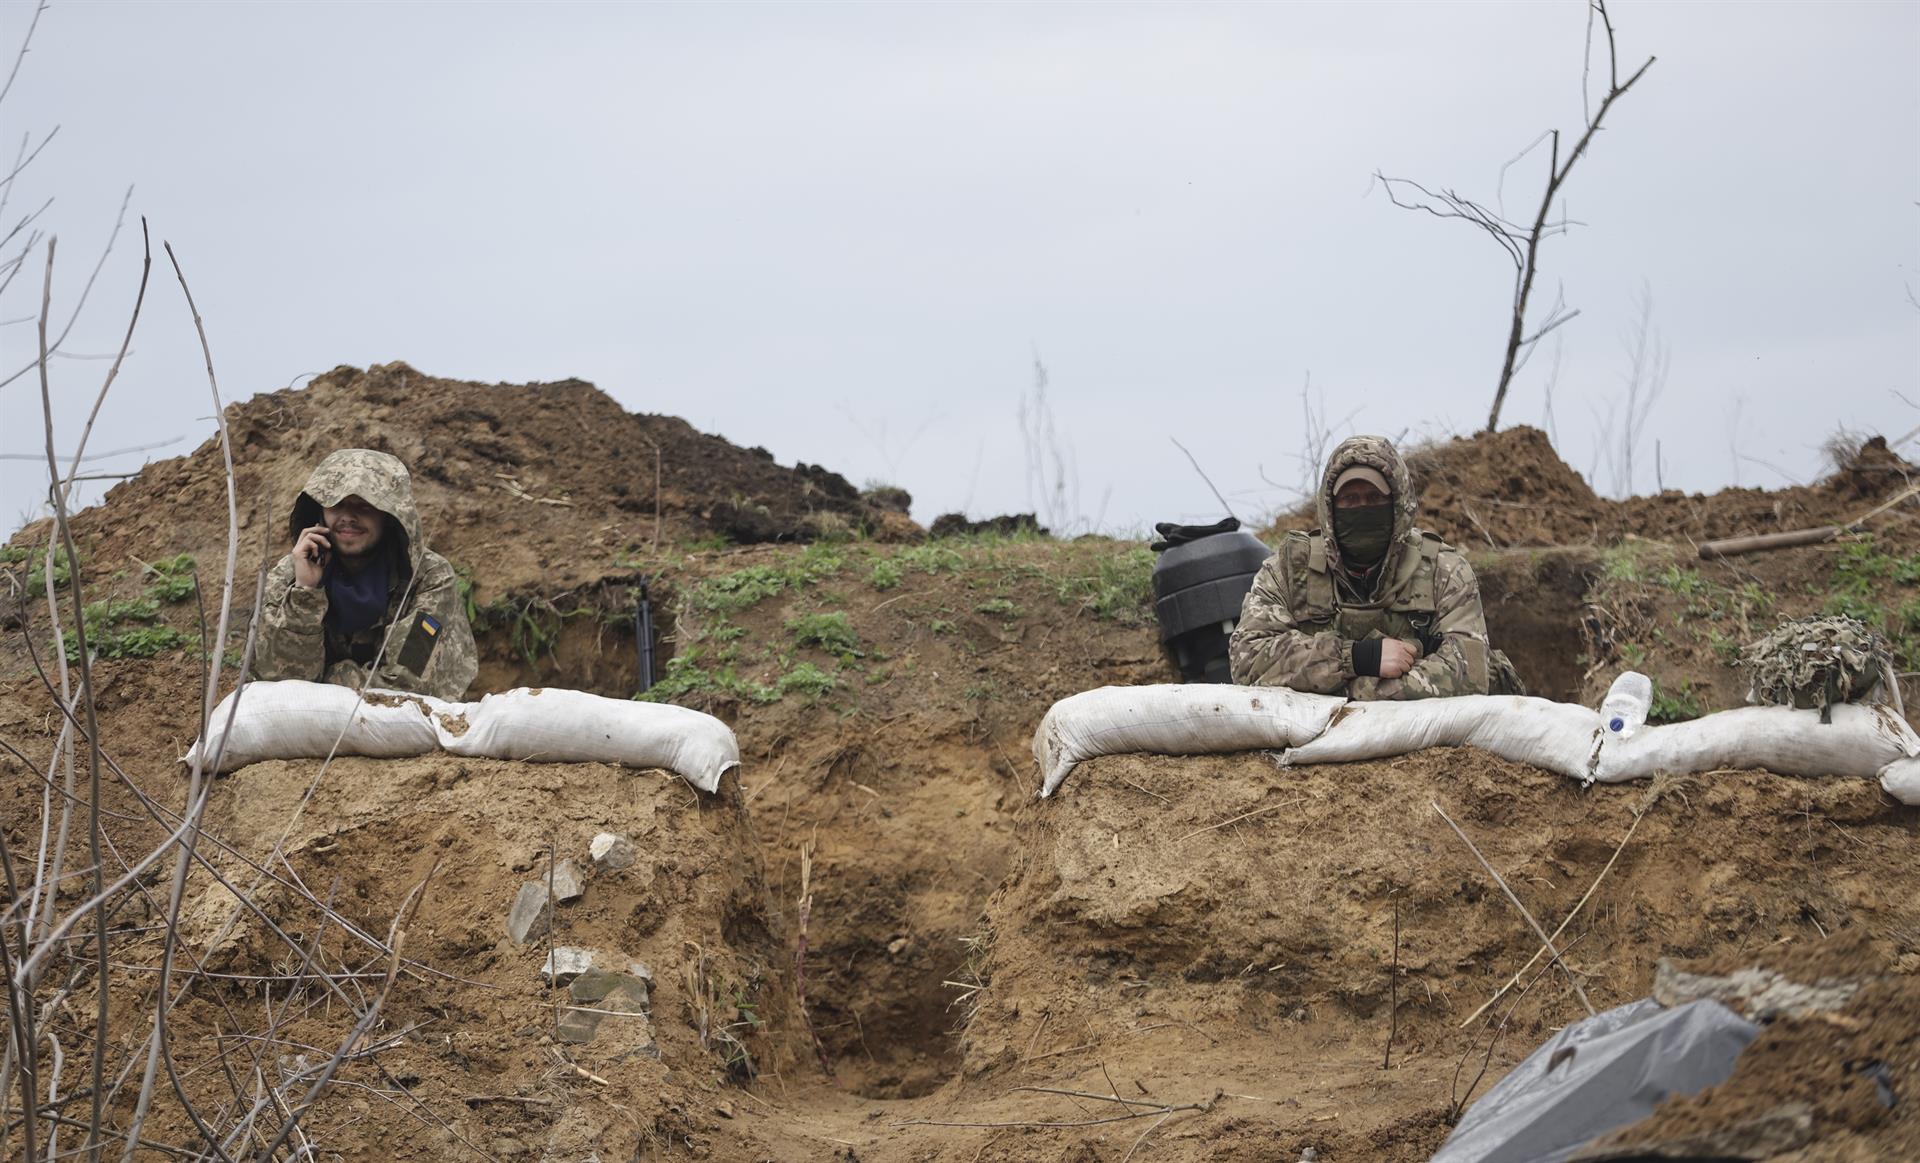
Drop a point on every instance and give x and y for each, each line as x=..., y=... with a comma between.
x=1363, y=534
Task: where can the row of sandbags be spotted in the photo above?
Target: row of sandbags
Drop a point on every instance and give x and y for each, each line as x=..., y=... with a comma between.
x=307, y=720
x=1194, y=719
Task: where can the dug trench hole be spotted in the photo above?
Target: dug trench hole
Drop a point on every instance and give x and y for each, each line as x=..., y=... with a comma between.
x=904, y=853
x=1535, y=601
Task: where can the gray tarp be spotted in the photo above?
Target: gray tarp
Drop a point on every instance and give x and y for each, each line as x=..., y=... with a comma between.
x=1596, y=1076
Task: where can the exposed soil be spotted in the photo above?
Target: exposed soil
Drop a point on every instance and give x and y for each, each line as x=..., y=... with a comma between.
x=1209, y=939
x=543, y=484
x=1510, y=489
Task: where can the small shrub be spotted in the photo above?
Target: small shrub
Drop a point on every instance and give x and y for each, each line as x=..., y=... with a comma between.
x=173, y=579
x=806, y=679
x=931, y=558
x=830, y=632
x=1119, y=588
x=1674, y=706
x=1002, y=607
x=885, y=575
x=139, y=642
x=31, y=568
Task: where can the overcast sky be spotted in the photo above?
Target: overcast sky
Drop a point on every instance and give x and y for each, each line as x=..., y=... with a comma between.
x=843, y=231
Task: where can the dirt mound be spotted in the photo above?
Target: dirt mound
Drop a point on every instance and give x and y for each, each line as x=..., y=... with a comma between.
x=1188, y=926
x=1503, y=488
x=1511, y=489
x=548, y=484
x=1825, y=1077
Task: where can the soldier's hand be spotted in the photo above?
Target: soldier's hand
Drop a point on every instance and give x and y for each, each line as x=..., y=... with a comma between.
x=1397, y=657
x=310, y=556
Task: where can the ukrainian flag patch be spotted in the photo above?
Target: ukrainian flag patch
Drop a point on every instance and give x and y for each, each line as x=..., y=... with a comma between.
x=421, y=640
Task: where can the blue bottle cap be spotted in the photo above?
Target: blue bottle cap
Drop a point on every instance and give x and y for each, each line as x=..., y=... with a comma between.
x=1616, y=724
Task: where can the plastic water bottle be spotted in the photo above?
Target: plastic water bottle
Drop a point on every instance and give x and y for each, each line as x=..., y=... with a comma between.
x=1627, y=703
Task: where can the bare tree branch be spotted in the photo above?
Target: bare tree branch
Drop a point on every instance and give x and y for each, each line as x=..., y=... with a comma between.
x=1521, y=244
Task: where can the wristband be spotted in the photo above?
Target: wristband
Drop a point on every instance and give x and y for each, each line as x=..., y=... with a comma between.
x=1366, y=657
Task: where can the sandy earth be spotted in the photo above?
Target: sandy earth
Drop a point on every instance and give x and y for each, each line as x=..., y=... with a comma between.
x=1210, y=942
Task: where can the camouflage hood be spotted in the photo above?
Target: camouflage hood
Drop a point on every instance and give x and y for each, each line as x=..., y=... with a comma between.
x=1377, y=453
x=377, y=478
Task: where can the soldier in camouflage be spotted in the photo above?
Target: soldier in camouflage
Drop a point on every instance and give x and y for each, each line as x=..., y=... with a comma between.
x=1367, y=605
x=361, y=601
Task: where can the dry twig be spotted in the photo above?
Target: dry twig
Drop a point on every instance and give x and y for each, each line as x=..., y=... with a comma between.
x=1572, y=979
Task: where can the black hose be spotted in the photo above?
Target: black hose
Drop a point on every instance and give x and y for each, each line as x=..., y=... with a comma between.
x=643, y=635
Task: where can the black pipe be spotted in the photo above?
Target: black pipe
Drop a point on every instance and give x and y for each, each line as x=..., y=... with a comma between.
x=643, y=635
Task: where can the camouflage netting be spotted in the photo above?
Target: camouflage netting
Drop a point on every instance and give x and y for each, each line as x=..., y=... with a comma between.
x=1817, y=662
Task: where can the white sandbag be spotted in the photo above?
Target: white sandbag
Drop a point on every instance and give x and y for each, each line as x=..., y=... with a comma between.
x=302, y=720
x=1901, y=779
x=1560, y=737
x=1862, y=740
x=573, y=726
x=1174, y=719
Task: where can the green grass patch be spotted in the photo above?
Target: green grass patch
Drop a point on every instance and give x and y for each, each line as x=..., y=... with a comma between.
x=932, y=558
x=172, y=578
x=1117, y=587
x=1674, y=706
x=885, y=574
x=830, y=632
x=124, y=628
x=805, y=679
x=31, y=568
x=999, y=607
x=732, y=592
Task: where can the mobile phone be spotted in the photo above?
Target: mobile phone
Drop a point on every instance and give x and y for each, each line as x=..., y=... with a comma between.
x=319, y=556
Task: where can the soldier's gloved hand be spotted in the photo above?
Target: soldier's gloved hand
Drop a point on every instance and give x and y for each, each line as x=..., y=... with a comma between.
x=1397, y=657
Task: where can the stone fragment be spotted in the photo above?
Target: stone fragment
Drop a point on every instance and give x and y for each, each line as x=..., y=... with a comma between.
x=611, y=852
x=592, y=985
x=531, y=915
x=1760, y=994
x=566, y=963
x=614, y=1001
x=577, y=1027
x=568, y=884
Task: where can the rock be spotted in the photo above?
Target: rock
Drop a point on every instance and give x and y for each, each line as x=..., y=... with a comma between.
x=611, y=852
x=602, y=997
x=568, y=884
x=566, y=963
x=1760, y=994
x=570, y=961
x=594, y=985
x=894, y=946
x=531, y=915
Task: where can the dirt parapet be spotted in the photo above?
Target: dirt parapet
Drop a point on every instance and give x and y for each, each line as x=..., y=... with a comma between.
x=1510, y=489
x=542, y=484
x=1222, y=919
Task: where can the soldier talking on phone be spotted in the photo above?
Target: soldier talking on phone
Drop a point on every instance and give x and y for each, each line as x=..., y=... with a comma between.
x=361, y=601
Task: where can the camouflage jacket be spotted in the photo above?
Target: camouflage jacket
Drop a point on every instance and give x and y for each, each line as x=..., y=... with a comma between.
x=1299, y=622
x=424, y=642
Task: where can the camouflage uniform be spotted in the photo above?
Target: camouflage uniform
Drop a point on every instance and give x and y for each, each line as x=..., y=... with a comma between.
x=1301, y=619
x=423, y=644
